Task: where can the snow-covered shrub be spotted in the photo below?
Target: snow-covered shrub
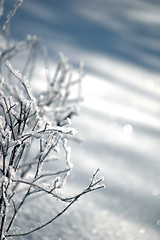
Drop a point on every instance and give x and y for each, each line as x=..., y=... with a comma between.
x=34, y=131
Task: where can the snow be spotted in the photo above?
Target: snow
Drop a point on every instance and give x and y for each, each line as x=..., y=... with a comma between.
x=118, y=40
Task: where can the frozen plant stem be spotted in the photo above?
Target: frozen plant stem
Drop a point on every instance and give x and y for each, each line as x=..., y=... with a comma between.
x=10, y=15
x=25, y=122
x=34, y=133
x=72, y=200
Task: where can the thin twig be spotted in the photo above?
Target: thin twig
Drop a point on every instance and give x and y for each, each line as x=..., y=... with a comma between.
x=10, y=15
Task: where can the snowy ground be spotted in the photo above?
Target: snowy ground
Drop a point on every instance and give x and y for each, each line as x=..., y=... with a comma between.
x=120, y=117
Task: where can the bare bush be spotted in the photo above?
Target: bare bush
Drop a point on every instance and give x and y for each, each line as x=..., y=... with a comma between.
x=34, y=131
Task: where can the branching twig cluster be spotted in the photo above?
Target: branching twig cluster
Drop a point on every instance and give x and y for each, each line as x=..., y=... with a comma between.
x=34, y=131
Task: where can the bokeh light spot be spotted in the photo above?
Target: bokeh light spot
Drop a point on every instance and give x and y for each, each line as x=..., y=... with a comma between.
x=127, y=129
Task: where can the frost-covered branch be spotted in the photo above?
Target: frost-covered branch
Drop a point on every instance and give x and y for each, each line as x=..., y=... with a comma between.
x=10, y=15
x=22, y=79
x=91, y=187
x=25, y=122
x=35, y=130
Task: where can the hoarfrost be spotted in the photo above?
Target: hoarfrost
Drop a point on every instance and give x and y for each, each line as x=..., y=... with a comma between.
x=2, y=122
x=12, y=173
x=67, y=121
